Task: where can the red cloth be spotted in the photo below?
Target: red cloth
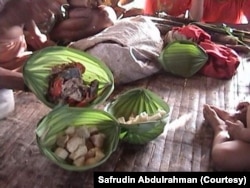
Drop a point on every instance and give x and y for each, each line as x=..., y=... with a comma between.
x=173, y=8
x=226, y=11
x=222, y=62
x=193, y=32
x=229, y=11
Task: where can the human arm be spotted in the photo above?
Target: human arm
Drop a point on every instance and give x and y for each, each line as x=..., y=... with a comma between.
x=11, y=79
x=82, y=22
x=196, y=10
x=21, y=11
x=34, y=38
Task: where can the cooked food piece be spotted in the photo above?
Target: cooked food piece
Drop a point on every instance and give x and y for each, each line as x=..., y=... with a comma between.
x=79, y=161
x=70, y=130
x=81, y=151
x=93, y=130
x=143, y=117
x=98, y=139
x=66, y=85
x=61, y=152
x=98, y=156
x=62, y=140
x=90, y=153
x=83, y=132
x=74, y=143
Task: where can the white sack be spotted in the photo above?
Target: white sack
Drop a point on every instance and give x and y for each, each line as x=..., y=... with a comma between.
x=130, y=48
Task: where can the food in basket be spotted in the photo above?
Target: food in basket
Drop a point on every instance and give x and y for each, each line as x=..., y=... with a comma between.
x=141, y=109
x=143, y=117
x=66, y=85
x=80, y=145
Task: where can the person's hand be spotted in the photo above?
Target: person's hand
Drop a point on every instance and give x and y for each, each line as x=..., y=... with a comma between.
x=83, y=22
x=242, y=106
x=235, y=129
x=34, y=38
x=85, y=3
x=19, y=12
x=133, y=12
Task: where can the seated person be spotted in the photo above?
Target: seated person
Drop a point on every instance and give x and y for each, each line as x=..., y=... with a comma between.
x=18, y=30
x=13, y=16
x=231, y=143
x=202, y=10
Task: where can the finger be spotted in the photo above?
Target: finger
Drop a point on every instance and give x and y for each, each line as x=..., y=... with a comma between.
x=229, y=123
x=80, y=13
x=240, y=106
x=77, y=3
x=73, y=24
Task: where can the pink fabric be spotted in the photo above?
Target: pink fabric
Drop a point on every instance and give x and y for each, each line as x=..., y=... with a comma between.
x=222, y=62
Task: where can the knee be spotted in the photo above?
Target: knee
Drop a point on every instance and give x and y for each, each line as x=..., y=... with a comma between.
x=219, y=158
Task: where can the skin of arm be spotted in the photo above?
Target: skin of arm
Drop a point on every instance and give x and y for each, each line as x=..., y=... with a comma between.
x=11, y=80
x=196, y=10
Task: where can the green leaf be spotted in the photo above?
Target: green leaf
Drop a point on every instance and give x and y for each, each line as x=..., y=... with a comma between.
x=182, y=58
x=37, y=70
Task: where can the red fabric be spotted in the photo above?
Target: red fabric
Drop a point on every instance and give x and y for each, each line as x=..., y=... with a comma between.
x=223, y=61
x=173, y=8
x=193, y=32
x=226, y=11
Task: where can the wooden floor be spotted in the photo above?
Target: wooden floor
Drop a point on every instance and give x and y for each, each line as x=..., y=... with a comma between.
x=185, y=144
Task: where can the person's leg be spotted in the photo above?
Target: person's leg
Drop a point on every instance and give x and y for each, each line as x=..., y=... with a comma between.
x=226, y=154
x=233, y=116
x=248, y=117
x=231, y=156
x=218, y=125
x=7, y=102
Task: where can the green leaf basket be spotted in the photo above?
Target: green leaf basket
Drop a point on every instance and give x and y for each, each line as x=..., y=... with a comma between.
x=183, y=58
x=136, y=101
x=37, y=69
x=62, y=117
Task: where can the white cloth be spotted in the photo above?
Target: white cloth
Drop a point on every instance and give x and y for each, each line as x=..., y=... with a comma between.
x=129, y=48
x=7, y=102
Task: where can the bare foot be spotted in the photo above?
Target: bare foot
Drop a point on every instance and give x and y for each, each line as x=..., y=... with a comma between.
x=213, y=119
x=223, y=114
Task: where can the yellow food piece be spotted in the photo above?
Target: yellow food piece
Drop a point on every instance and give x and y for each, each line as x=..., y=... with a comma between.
x=62, y=140
x=81, y=151
x=98, y=139
x=74, y=143
x=79, y=161
x=61, y=152
x=98, y=156
x=143, y=117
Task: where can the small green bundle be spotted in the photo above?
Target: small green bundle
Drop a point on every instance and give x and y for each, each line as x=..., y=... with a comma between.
x=142, y=104
x=61, y=118
x=183, y=58
x=37, y=72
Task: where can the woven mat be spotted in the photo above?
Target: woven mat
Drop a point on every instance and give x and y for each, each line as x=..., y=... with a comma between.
x=185, y=144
